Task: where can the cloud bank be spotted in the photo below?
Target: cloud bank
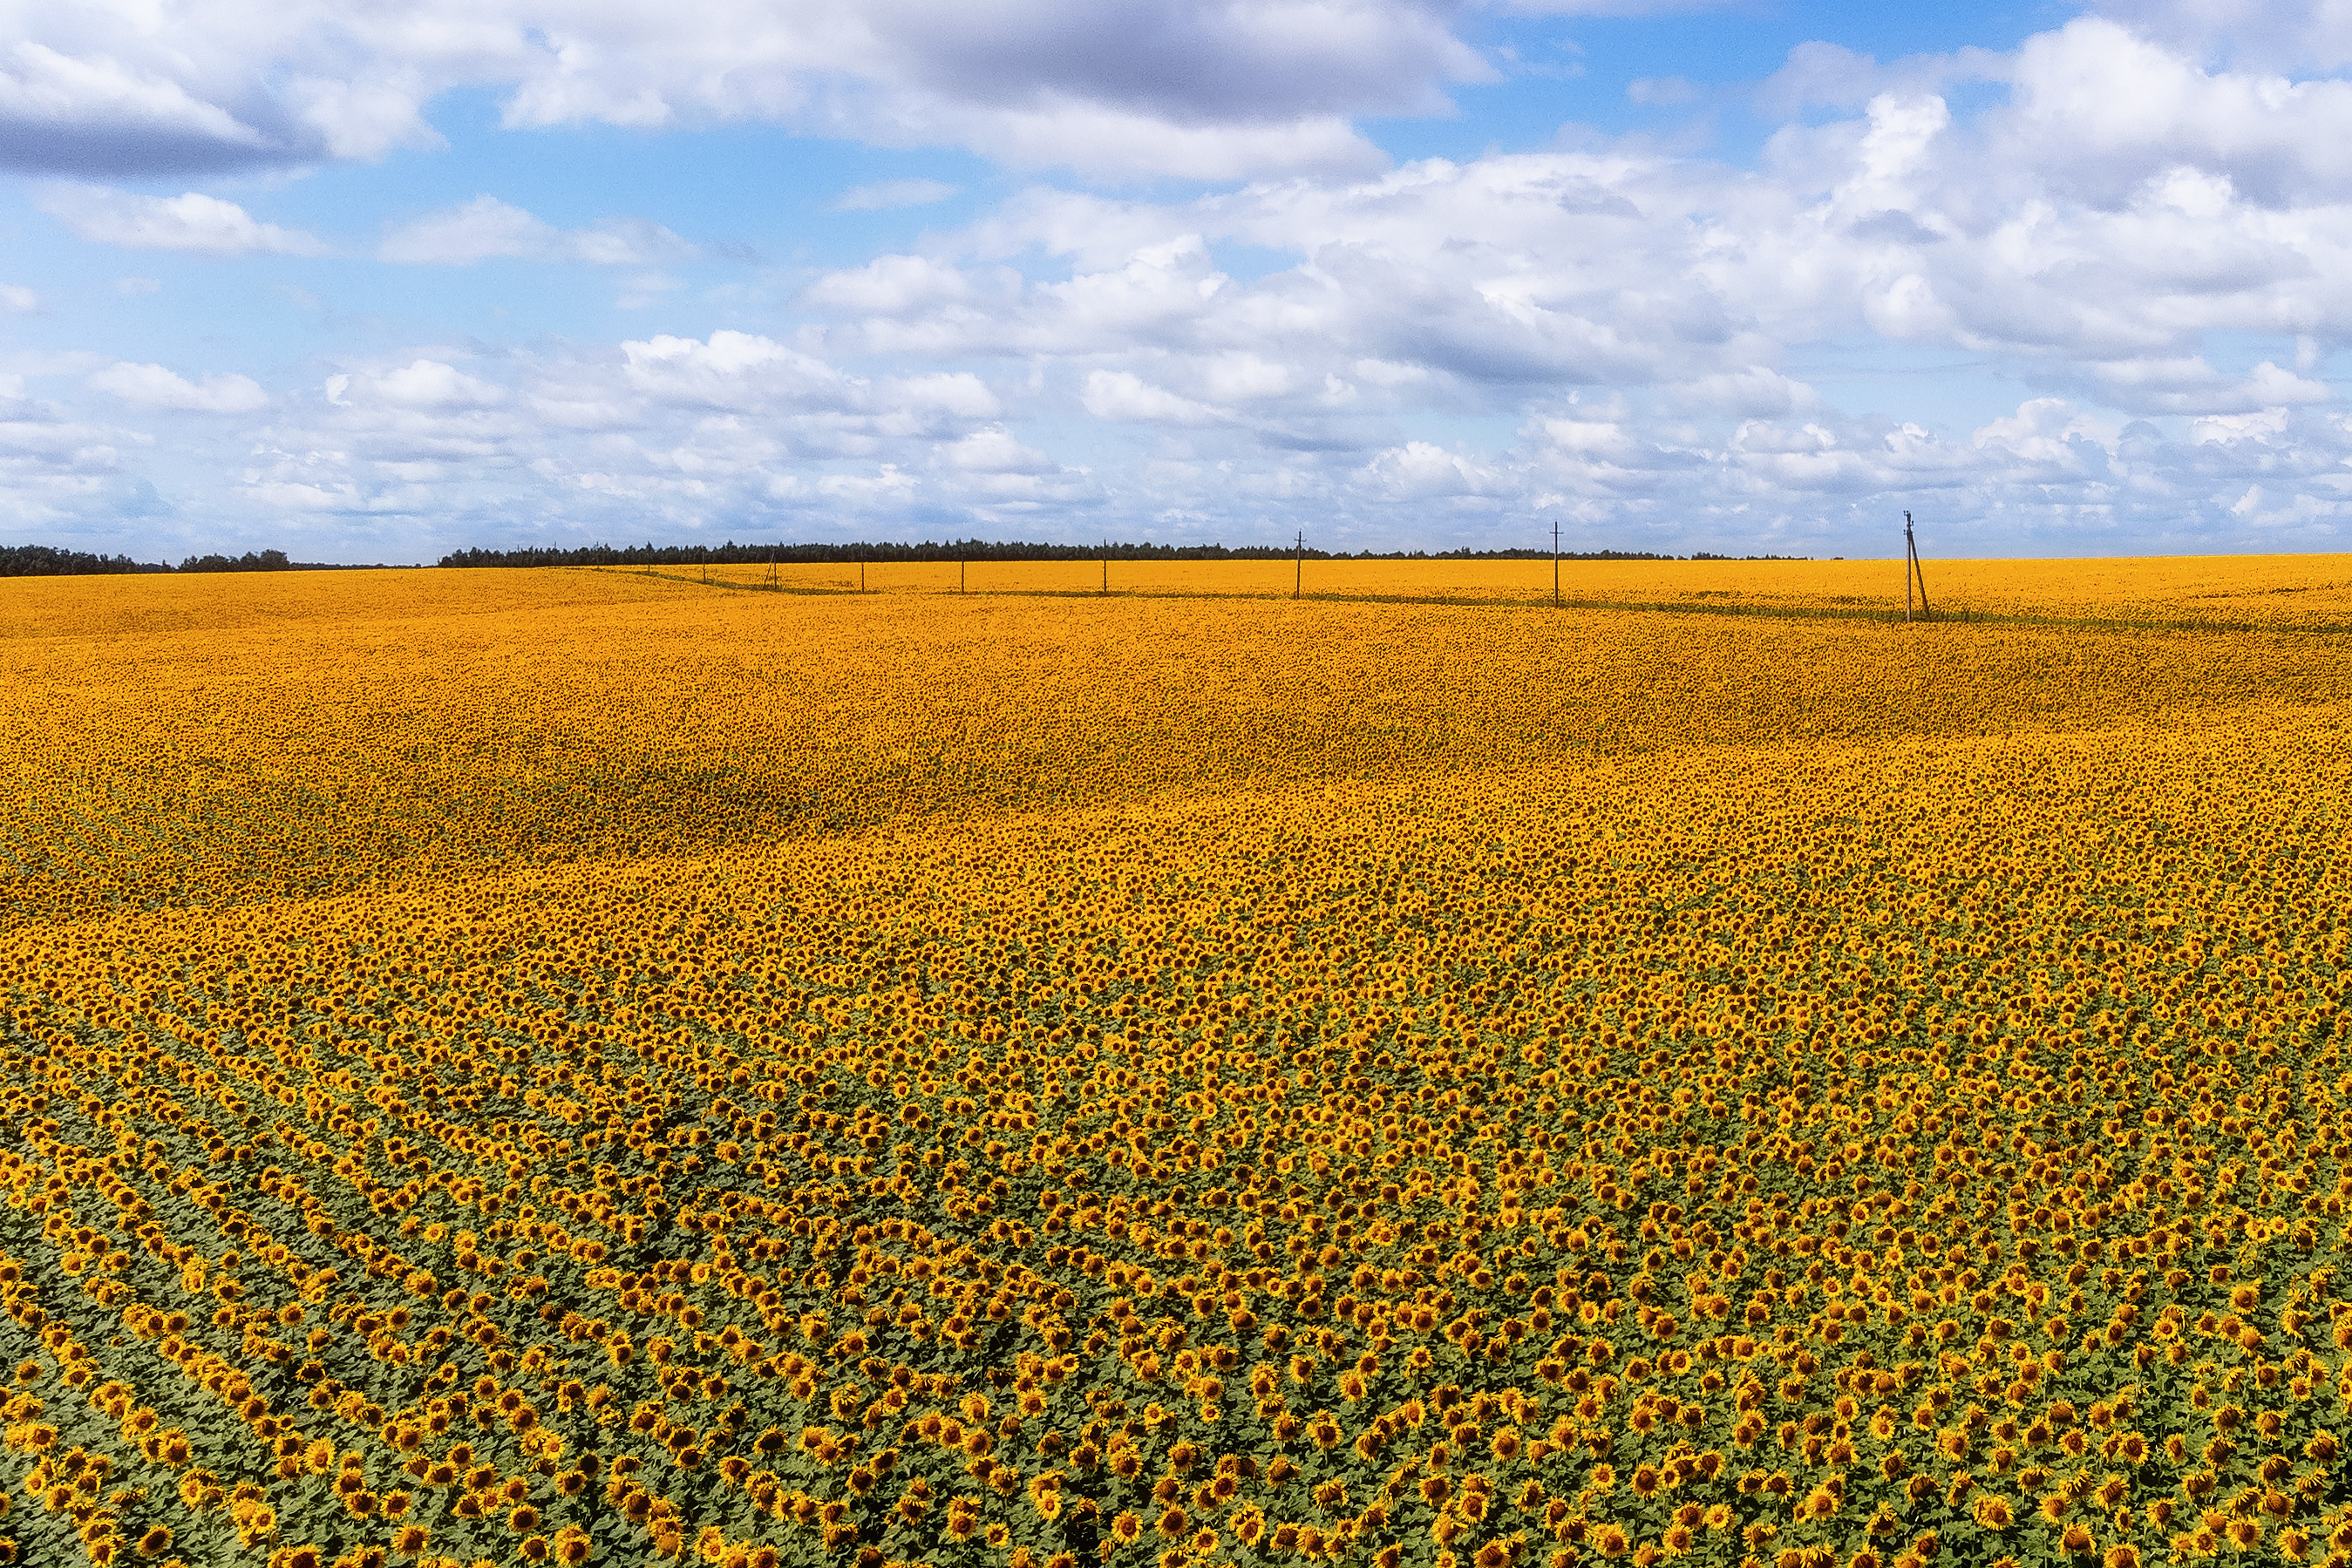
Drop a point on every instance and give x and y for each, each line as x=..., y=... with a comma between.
x=1196, y=87
x=2137, y=260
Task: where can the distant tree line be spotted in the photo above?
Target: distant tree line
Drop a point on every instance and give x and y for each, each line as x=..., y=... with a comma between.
x=732, y=554
x=265, y=560
x=41, y=561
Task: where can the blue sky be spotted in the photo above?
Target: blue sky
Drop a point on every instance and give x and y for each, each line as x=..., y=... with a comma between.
x=1400, y=273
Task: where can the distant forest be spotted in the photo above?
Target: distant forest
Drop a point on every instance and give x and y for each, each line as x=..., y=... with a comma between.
x=41, y=561
x=733, y=554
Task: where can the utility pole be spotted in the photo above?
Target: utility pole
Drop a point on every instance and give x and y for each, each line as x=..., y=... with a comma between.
x=1555, y=563
x=1912, y=572
x=1105, y=588
x=1298, y=581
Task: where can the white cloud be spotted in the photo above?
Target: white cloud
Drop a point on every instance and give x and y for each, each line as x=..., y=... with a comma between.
x=995, y=451
x=2251, y=34
x=421, y=385
x=1753, y=393
x=892, y=193
x=884, y=486
x=480, y=229
x=17, y=297
x=2041, y=428
x=1422, y=471
x=192, y=222
x=740, y=371
x=891, y=286
x=2189, y=385
x=487, y=229
x=56, y=99
x=1172, y=87
x=1240, y=376
x=1103, y=139
x=2098, y=110
x=1123, y=395
x=2226, y=429
x=57, y=471
x=585, y=412
x=151, y=388
x=430, y=383
x=957, y=392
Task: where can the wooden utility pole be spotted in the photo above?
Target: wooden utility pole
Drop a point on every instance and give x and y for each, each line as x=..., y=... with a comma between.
x=1298, y=581
x=1555, y=563
x=1105, y=588
x=959, y=576
x=1913, y=573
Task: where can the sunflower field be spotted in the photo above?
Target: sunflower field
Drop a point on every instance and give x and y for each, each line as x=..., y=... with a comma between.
x=1011, y=1084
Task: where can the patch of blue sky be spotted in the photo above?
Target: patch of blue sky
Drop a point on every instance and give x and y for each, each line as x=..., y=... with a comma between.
x=206, y=311
x=1689, y=80
x=1246, y=262
x=1938, y=388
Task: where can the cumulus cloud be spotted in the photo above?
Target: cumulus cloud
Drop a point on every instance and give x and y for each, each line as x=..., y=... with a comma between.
x=1753, y=392
x=151, y=388
x=17, y=298
x=1487, y=282
x=739, y=371
x=1122, y=395
x=891, y=286
x=1178, y=87
x=1423, y=471
x=57, y=471
x=2189, y=385
x=84, y=112
x=425, y=383
x=2097, y=110
x=192, y=222
x=2255, y=34
x=956, y=392
x=995, y=451
x=654, y=432
x=487, y=229
x=413, y=434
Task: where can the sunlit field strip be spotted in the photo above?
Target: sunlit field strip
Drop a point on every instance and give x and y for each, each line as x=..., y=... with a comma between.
x=2270, y=591
x=251, y=742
